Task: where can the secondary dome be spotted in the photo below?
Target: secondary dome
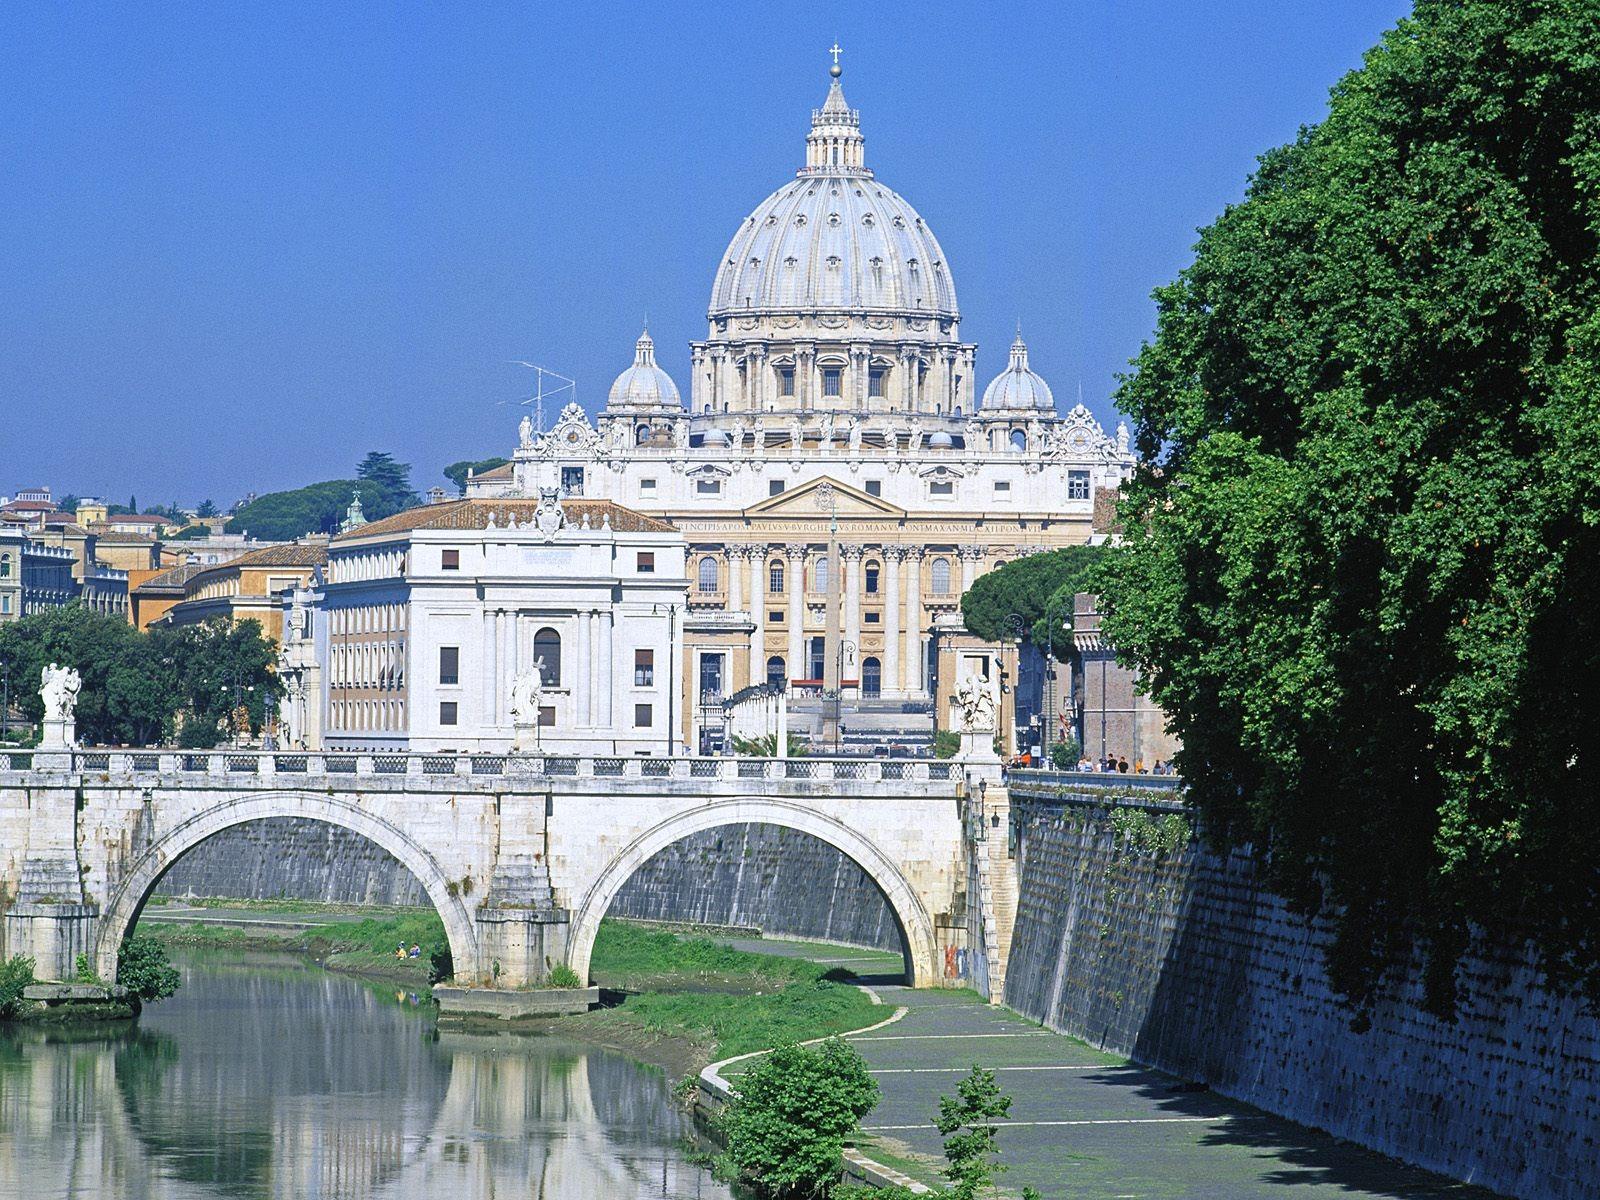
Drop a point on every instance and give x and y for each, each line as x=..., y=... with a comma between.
x=643, y=385
x=835, y=238
x=1019, y=387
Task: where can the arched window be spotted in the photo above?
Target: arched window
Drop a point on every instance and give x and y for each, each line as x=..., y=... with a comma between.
x=820, y=575
x=872, y=578
x=708, y=574
x=547, y=646
x=1019, y=440
x=5, y=566
x=776, y=676
x=775, y=576
x=941, y=576
x=871, y=679
x=641, y=435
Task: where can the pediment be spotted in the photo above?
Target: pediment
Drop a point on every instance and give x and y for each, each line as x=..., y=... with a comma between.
x=805, y=501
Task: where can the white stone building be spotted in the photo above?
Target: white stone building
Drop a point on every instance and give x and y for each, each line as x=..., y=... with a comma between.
x=425, y=620
x=833, y=418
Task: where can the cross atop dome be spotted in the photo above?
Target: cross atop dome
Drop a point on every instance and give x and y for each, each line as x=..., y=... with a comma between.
x=835, y=145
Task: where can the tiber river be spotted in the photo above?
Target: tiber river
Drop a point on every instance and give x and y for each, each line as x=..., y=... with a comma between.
x=274, y=1078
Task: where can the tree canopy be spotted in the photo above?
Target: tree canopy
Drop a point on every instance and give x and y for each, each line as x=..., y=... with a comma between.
x=1364, y=548
x=143, y=688
x=1030, y=588
x=456, y=472
x=383, y=484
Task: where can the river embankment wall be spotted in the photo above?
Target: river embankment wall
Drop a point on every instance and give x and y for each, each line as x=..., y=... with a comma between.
x=1149, y=945
x=762, y=877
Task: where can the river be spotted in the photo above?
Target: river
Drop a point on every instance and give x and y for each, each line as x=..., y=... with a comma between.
x=270, y=1077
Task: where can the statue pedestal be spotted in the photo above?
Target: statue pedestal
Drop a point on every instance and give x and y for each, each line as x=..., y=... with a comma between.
x=60, y=733
x=524, y=738
x=977, y=745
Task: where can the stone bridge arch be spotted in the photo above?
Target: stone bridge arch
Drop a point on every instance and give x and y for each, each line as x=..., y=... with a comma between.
x=911, y=914
x=128, y=898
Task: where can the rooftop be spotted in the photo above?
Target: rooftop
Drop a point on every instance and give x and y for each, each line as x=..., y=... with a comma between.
x=475, y=513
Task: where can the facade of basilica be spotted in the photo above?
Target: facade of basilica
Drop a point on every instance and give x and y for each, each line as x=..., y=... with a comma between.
x=833, y=418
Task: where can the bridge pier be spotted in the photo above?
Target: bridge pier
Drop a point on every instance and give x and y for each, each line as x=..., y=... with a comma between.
x=51, y=920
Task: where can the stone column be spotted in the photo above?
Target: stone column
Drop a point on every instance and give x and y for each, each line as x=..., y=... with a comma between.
x=911, y=664
x=732, y=557
x=795, y=579
x=852, y=555
x=607, y=666
x=971, y=559
x=575, y=673
x=502, y=657
x=758, y=612
x=893, y=605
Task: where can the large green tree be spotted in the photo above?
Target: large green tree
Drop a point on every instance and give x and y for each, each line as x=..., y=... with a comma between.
x=383, y=484
x=1364, y=550
x=393, y=483
x=1037, y=589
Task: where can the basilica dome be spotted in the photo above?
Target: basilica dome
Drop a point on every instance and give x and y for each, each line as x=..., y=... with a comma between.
x=644, y=385
x=1018, y=388
x=835, y=238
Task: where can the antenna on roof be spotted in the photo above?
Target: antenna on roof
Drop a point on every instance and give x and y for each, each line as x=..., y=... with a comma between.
x=539, y=393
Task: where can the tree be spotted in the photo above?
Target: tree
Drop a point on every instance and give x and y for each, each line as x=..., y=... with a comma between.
x=315, y=508
x=787, y=1123
x=1029, y=588
x=457, y=472
x=392, y=481
x=1364, y=546
x=16, y=973
x=143, y=968
x=206, y=509
x=967, y=1121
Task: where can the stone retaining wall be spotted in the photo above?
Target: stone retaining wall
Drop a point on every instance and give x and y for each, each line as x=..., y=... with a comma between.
x=1184, y=962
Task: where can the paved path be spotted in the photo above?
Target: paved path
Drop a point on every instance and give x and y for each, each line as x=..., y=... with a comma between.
x=1086, y=1124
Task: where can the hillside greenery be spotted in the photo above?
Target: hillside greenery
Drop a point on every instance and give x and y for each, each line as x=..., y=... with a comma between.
x=1364, y=547
x=383, y=484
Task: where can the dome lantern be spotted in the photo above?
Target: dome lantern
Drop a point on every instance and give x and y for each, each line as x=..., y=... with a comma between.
x=835, y=145
x=644, y=384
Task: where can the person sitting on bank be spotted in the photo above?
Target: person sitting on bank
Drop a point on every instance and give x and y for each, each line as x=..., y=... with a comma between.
x=416, y=951
x=400, y=950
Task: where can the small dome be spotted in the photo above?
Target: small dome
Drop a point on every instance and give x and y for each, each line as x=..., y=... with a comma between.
x=715, y=437
x=1018, y=386
x=644, y=385
x=941, y=441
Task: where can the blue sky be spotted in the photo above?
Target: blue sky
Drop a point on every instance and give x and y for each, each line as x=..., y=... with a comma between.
x=244, y=244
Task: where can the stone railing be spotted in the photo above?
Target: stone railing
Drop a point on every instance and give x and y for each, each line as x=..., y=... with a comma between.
x=1161, y=790
x=292, y=767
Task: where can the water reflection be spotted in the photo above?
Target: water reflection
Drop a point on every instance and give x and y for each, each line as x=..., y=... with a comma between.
x=274, y=1079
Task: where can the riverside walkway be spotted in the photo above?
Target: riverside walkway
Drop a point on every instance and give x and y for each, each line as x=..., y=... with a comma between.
x=1091, y=1126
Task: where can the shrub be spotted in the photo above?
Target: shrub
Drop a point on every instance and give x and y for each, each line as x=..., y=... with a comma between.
x=563, y=976
x=15, y=974
x=1064, y=756
x=793, y=1110
x=143, y=969
x=946, y=743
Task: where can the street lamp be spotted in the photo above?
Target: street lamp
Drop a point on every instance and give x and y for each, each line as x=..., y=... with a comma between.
x=1015, y=624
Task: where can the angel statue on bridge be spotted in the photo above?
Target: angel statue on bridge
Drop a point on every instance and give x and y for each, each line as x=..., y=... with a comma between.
x=976, y=699
x=59, y=687
x=527, y=697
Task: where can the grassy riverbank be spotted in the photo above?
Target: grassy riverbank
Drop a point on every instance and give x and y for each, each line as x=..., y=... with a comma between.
x=363, y=947
x=712, y=999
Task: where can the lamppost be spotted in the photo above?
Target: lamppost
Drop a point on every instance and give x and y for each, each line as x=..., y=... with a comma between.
x=1050, y=679
x=846, y=658
x=1015, y=624
x=5, y=699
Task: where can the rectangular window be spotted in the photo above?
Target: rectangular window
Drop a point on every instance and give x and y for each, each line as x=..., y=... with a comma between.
x=775, y=487
x=547, y=716
x=1002, y=487
x=775, y=616
x=786, y=381
x=644, y=668
x=646, y=562
x=449, y=664
x=1077, y=485
x=647, y=487
x=941, y=487
x=450, y=560
x=832, y=383
x=643, y=716
x=874, y=487
x=447, y=712
x=572, y=481
x=708, y=487
x=872, y=618
x=876, y=378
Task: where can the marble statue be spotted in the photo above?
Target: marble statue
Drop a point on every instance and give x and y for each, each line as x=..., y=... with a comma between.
x=976, y=699
x=527, y=695
x=59, y=686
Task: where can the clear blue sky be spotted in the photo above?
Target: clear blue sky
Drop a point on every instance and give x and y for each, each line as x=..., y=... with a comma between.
x=243, y=244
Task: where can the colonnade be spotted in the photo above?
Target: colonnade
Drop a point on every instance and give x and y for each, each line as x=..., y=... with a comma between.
x=905, y=580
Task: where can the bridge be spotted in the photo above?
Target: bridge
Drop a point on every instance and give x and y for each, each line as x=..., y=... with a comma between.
x=520, y=854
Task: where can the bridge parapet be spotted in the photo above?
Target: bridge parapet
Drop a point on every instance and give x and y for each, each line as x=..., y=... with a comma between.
x=1128, y=791
x=492, y=771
